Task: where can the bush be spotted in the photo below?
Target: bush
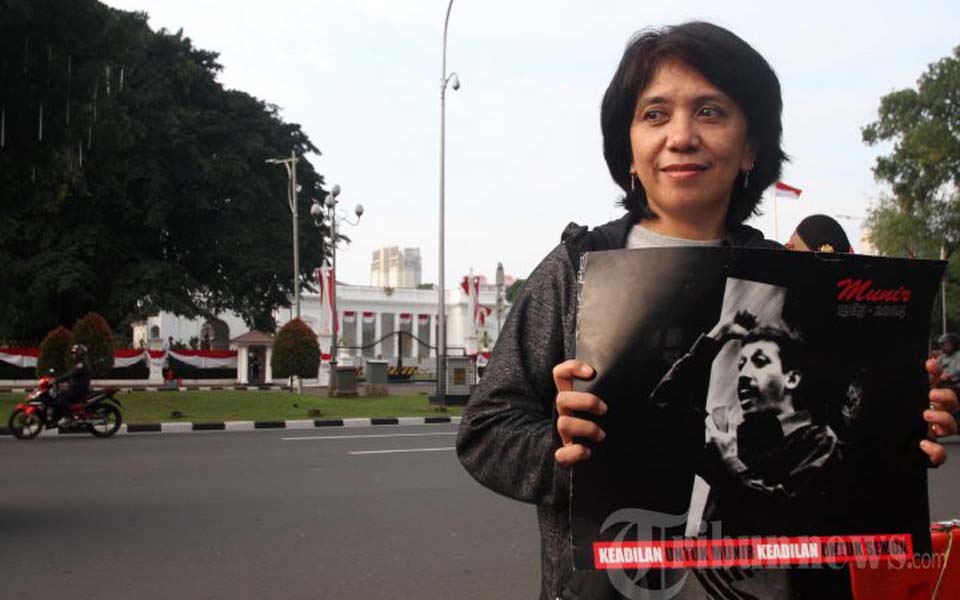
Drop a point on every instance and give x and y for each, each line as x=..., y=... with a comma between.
x=53, y=352
x=296, y=352
x=92, y=331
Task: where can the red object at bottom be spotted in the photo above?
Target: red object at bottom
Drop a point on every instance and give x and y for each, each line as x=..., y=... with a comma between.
x=917, y=580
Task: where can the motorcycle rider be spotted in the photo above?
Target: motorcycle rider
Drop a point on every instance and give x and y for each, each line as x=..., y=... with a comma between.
x=76, y=380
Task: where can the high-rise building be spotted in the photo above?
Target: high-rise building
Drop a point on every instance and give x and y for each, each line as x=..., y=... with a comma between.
x=395, y=267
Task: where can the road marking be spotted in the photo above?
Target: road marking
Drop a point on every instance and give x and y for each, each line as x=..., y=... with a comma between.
x=357, y=437
x=358, y=452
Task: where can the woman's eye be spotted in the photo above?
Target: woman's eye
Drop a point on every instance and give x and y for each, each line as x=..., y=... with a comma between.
x=654, y=115
x=710, y=112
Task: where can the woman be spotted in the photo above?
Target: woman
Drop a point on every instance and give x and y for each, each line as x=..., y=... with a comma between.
x=819, y=233
x=691, y=128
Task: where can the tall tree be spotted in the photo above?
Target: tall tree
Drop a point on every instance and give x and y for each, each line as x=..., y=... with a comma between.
x=922, y=213
x=132, y=182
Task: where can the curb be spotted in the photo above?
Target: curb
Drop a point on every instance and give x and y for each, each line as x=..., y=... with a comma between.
x=294, y=424
x=162, y=388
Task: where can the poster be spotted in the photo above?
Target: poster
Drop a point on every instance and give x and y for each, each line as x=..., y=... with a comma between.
x=764, y=409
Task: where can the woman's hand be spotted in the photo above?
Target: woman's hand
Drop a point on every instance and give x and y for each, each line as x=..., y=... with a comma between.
x=939, y=417
x=569, y=401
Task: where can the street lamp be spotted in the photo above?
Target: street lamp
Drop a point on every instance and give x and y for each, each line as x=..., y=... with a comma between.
x=316, y=211
x=291, y=165
x=453, y=81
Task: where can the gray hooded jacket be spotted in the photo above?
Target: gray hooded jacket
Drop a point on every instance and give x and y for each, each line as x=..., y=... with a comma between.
x=508, y=433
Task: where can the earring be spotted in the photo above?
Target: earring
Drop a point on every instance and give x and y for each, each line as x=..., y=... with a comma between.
x=633, y=181
x=746, y=178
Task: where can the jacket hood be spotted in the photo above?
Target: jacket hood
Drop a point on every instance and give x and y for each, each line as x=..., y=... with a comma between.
x=613, y=236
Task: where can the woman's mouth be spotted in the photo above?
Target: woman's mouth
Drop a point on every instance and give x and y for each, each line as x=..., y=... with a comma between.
x=684, y=170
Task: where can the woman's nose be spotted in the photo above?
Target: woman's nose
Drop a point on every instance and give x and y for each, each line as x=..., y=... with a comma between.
x=682, y=134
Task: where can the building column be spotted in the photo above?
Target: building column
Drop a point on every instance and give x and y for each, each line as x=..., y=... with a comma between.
x=268, y=368
x=396, y=338
x=415, y=330
x=242, y=364
x=358, y=323
x=377, y=333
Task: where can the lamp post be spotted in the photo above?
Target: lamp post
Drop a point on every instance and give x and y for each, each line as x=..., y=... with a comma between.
x=291, y=165
x=453, y=81
x=316, y=211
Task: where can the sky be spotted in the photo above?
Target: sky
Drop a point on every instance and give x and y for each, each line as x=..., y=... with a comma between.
x=523, y=143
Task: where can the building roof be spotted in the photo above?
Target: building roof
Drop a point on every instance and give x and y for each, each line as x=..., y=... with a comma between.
x=253, y=337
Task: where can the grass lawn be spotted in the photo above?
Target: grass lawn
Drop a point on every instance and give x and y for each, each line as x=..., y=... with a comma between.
x=227, y=405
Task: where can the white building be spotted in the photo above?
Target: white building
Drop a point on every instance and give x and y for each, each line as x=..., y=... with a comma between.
x=395, y=267
x=369, y=318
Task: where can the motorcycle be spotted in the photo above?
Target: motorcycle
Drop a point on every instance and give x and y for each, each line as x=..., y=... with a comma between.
x=99, y=413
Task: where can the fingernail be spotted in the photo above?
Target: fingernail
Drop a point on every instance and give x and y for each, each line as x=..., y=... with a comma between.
x=926, y=444
x=603, y=435
x=587, y=453
x=603, y=407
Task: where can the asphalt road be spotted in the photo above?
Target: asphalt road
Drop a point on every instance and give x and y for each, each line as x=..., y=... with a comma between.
x=373, y=512
x=258, y=515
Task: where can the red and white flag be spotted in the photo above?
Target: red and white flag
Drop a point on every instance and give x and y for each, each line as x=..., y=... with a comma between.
x=369, y=317
x=349, y=317
x=787, y=192
x=472, y=290
x=481, y=315
x=405, y=319
x=423, y=320
x=325, y=281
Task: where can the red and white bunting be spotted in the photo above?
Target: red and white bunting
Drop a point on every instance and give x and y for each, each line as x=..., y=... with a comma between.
x=156, y=357
x=127, y=358
x=201, y=359
x=24, y=358
x=206, y=359
x=423, y=320
x=787, y=192
x=349, y=317
x=369, y=317
x=405, y=318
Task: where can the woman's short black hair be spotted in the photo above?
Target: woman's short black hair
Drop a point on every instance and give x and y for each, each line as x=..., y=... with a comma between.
x=727, y=62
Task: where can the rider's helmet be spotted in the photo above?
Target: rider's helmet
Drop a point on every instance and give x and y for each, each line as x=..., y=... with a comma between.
x=950, y=338
x=78, y=352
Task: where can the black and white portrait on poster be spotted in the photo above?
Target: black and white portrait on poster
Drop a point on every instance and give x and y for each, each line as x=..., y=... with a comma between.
x=764, y=409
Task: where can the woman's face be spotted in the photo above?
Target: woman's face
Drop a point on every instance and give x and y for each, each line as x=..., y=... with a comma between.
x=796, y=243
x=689, y=143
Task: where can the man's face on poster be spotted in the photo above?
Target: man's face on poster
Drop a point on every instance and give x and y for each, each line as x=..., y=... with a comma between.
x=763, y=385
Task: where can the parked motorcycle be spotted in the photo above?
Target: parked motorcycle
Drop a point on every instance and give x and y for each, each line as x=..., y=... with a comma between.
x=99, y=413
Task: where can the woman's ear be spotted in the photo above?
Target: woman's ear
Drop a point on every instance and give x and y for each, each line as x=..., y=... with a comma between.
x=749, y=156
